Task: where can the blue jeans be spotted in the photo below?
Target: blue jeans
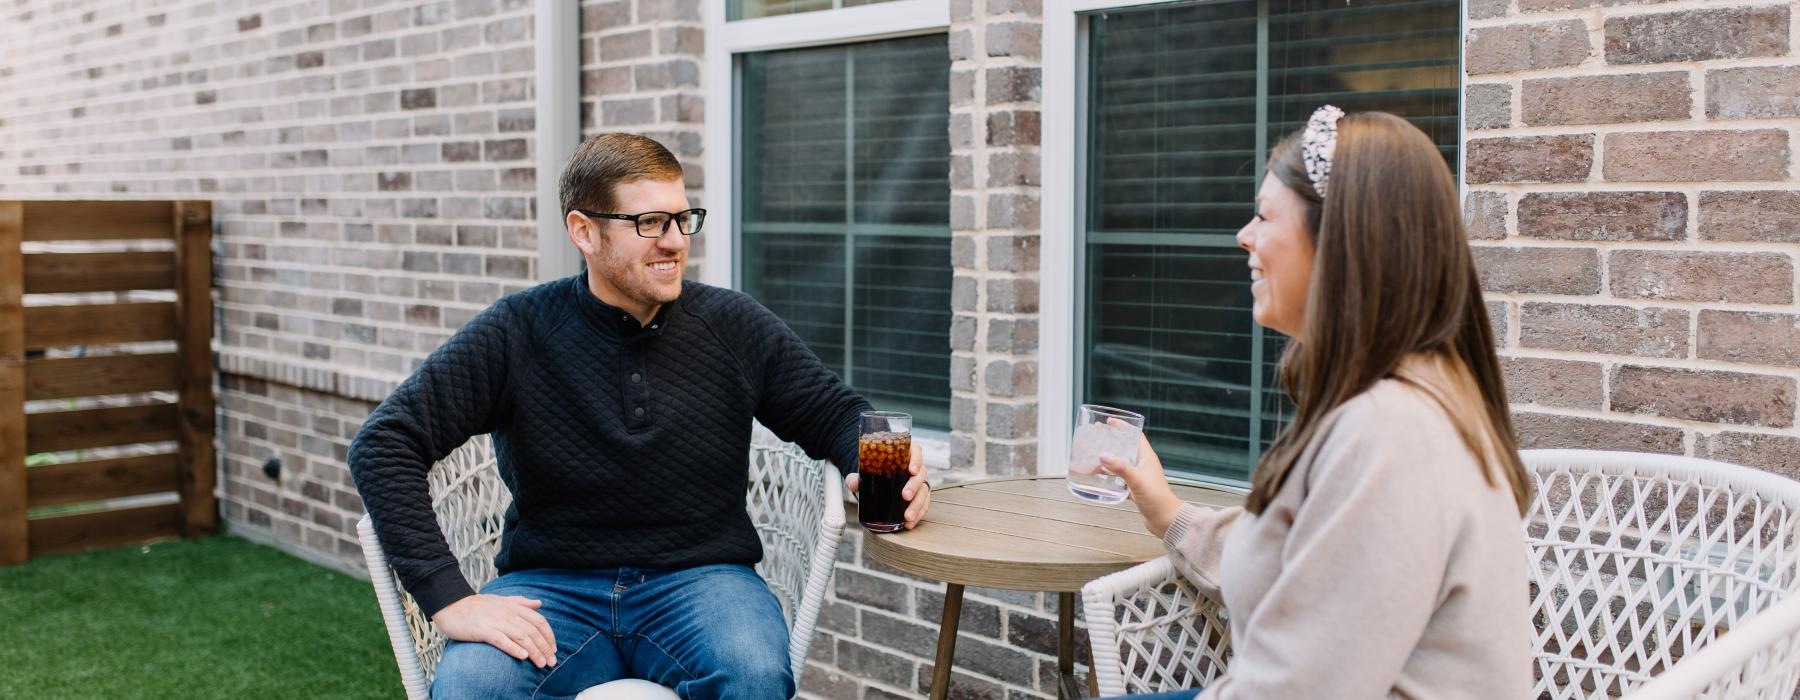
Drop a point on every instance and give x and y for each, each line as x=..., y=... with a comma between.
x=703, y=631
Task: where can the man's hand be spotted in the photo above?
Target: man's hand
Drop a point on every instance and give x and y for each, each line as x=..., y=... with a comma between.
x=510, y=623
x=916, y=492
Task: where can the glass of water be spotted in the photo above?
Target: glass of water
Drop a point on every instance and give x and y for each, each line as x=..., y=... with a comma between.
x=1102, y=430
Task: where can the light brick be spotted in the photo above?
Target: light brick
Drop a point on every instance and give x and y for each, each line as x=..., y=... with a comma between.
x=1607, y=99
x=1743, y=278
x=1484, y=214
x=1697, y=35
x=1771, y=92
x=1488, y=106
x=1521, y=47
x=1612, y=330
x=1750, y=337
x=1538, y=270
x=1762, y=216
x=1604, y=216
x=1547, y=382
x=1697, y=156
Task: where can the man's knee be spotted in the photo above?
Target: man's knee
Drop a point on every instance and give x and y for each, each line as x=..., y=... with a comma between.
x=477, y=670
x=756, y=673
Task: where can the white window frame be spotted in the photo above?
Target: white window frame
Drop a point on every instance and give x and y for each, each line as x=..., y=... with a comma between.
x=1061, y=157
x=725, y=40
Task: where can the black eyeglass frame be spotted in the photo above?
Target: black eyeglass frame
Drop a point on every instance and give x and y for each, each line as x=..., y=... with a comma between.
x=639, y=228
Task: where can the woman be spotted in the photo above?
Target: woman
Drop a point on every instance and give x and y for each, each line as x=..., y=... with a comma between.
x=1379, y=553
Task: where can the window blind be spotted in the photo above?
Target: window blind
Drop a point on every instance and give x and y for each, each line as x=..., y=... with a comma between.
x=1182, y=105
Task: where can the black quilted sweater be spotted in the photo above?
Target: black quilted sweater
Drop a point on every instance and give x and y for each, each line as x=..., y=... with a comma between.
x=623, y=445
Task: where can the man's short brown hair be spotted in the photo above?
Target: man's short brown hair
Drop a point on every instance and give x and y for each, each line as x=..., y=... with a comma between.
x=607, y=160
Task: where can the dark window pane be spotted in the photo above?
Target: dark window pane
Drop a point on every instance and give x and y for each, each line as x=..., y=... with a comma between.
x=1183, y=103
x=846, y=219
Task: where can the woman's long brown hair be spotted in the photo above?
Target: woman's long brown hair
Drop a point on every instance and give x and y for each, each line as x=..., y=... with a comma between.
x=1394, y=294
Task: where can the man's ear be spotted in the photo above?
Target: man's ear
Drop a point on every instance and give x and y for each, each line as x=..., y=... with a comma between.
x=581, y=233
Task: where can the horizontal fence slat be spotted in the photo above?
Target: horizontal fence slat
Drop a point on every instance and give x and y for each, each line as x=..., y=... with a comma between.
x=94, y=376
x=105, y=529
x=93, y=324
x=100, y=427
x=51, y=273
x=101, y=479
x=98, y=221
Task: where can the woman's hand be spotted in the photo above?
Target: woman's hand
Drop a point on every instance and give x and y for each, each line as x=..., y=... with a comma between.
x=1149, y=487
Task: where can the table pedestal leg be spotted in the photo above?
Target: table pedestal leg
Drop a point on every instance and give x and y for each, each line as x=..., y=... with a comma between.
x=946, y=650
x=1065, y=647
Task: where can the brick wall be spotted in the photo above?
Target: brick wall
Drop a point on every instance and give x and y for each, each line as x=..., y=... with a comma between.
x=370, y=168
x=641, y=66
x=1634, y=206
x=996, y=81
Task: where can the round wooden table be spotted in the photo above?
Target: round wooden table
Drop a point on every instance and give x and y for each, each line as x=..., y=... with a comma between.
x=1027, y=534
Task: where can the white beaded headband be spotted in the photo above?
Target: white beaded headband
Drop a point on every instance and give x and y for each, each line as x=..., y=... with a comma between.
x=1318, y=143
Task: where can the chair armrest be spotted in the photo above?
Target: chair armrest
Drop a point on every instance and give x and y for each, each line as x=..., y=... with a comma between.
x=1152, y=631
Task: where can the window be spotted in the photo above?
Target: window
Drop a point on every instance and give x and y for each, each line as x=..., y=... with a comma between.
x=843, y=184
x=1182, y=105
x=751, y=9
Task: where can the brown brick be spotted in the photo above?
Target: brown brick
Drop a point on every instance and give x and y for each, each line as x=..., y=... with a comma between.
x=1487, y=9
x=1007, y=421
x=1012, y=253
x=1604, y=216
x=1612, y=330
x=1008, y=378
x=1770, y=92
x=1538, y=270
x=1697, y=35
x=1704, y=395
x=1775, y=453
x=1697, y=156
x=1750, y=337
x=1008, y=169
x=865, y=589
x=1549, y=431
x=1566, y=158
x=1484, y=214
x=1012, y=335
x=1012, y=211
x=1011, y=460
x=1743, y=278
x=1022, y=39
x=1012, y=296
x=1766, y=216
x=1013, y=128
x=1563, y=383
x=1607, y=99
x=1517, y=47
x=1498, y=313
x=1014, y=84
x=1488, y=106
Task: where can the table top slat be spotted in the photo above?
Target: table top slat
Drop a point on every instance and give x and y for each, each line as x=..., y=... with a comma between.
x=1025, y=533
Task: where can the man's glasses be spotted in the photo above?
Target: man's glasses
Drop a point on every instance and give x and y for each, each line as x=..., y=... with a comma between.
x=655, y=224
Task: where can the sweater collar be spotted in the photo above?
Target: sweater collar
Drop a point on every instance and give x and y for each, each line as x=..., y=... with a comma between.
x=614, y=319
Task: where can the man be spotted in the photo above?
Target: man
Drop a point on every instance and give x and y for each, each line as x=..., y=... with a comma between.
x=621, y=403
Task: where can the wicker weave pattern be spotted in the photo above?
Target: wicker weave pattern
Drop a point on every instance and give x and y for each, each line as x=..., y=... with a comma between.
x=1638, y=563
x=795, y=502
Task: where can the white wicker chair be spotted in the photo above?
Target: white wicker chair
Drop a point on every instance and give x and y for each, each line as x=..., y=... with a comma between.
x=1640, y=565
x=796, y=503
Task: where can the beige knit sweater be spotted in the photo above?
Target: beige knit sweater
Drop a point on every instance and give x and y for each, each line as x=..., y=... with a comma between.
x=1386, y=566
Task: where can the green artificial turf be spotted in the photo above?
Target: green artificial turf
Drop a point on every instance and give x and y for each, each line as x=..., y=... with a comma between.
x=214, y=618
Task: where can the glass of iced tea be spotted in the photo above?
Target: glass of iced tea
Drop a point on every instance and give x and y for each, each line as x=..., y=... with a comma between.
x=883, y=455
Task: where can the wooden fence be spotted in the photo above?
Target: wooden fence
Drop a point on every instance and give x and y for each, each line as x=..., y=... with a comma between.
x=63, y=356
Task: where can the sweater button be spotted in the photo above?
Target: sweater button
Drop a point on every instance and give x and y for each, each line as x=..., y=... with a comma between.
x=635, y=377
x=639, y=412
